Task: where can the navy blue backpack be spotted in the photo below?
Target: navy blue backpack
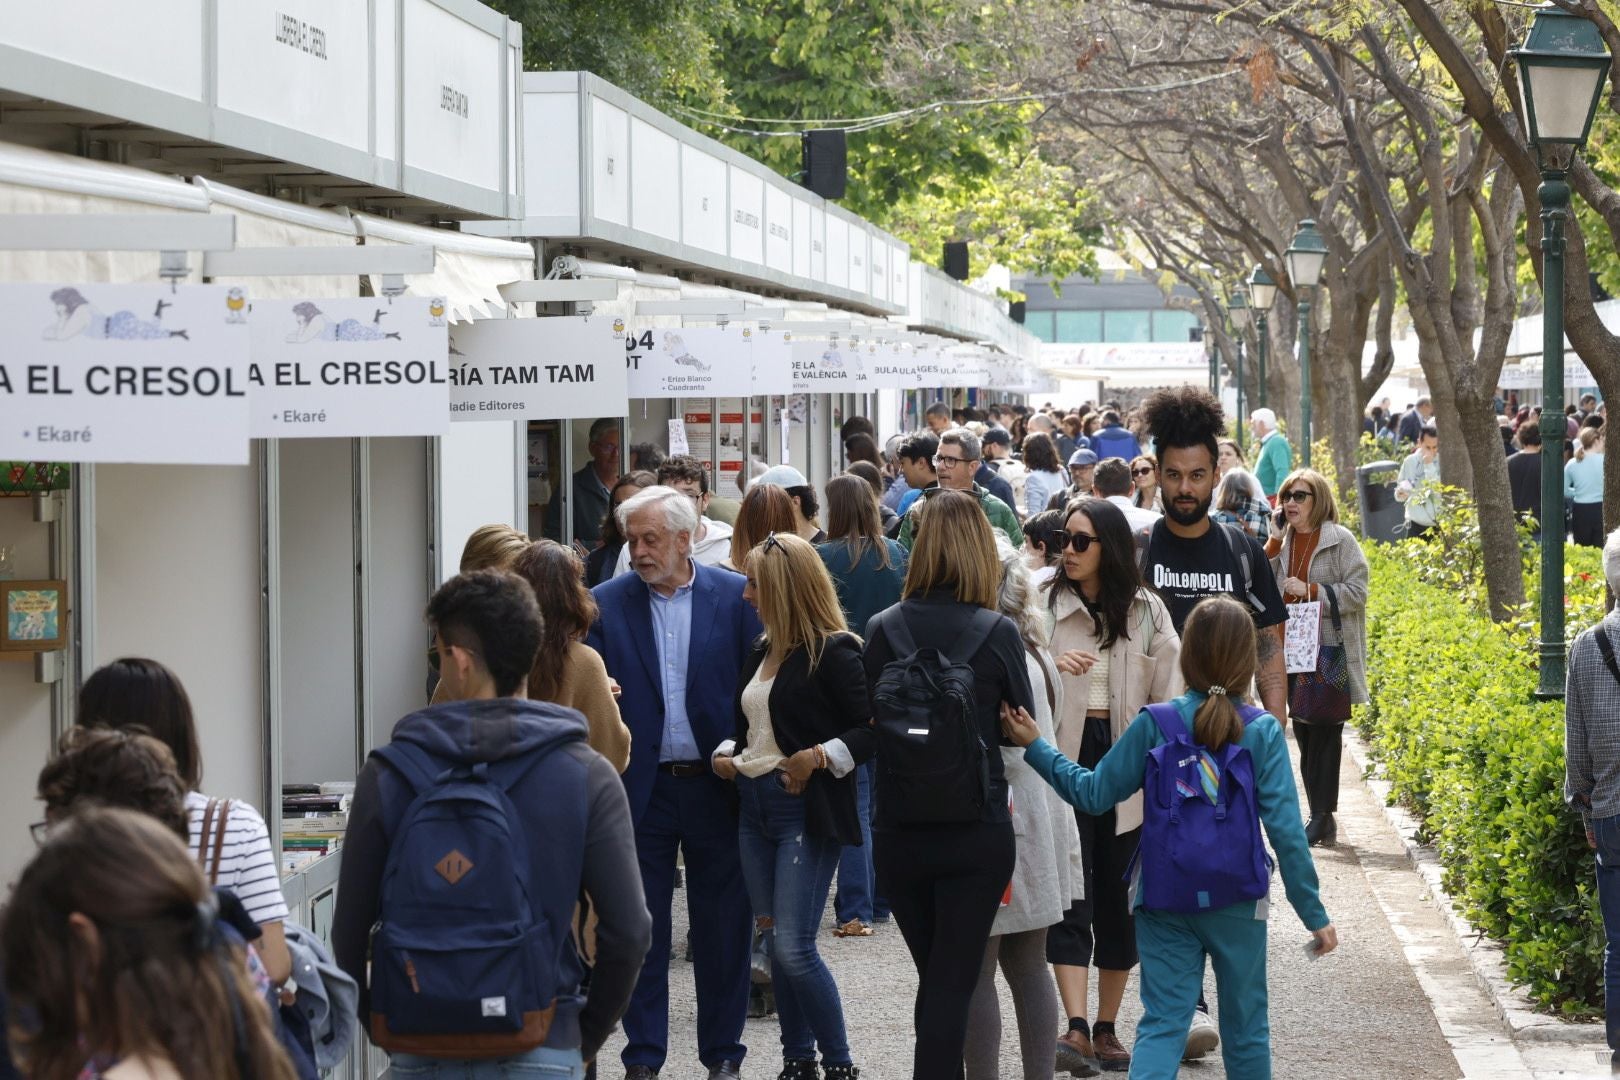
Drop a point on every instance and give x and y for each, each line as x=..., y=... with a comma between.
x=1196, y=854
x=465, y=962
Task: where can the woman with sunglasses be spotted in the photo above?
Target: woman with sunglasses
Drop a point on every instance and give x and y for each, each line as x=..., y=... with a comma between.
x=1316, y=557
x=1145, y=475
x=1113, y=638
x=802, y=729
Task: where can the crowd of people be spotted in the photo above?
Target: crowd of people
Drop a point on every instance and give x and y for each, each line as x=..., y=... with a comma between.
x=962, y=712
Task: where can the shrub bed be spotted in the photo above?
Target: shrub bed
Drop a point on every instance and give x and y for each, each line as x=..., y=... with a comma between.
x=1454, y=726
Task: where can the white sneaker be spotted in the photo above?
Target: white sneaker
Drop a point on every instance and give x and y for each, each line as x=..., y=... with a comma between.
x=1202, y=1037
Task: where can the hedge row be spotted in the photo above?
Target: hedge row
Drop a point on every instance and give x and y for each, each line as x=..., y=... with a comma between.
x=1454, y=726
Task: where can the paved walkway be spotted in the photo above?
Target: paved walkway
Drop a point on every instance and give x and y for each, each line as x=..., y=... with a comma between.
x=1397, y=1001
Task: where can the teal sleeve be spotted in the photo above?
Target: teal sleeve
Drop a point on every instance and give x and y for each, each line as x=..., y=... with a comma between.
x=1117, y=776
x=1279, y=813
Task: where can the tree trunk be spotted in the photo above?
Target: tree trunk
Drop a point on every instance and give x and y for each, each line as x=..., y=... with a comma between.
x=1498, y=535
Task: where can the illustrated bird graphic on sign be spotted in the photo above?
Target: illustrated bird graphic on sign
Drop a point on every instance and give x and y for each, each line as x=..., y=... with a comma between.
x=236, y=304
x=436, y=310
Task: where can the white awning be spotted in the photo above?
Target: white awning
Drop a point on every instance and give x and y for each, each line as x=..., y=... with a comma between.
x=469, y=272
x=267, y=222
x=41, y=182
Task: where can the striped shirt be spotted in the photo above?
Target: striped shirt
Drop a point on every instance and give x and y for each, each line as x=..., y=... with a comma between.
x=247, y=866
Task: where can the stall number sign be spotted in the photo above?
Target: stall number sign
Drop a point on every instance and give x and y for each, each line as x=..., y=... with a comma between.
x=684, y=363
x=831, y=366
x=356, y=367
x=556, y=368
x=151, y=374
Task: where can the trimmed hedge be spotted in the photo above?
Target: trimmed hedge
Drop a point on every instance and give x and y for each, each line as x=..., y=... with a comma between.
x=1455, y=728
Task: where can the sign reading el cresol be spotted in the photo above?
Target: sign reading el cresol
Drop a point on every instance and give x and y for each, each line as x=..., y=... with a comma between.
x=354, y=367
x=558, y=368
x=147, y=374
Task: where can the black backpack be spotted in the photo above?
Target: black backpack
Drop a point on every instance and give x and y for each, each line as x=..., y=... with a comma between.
x=933, y=760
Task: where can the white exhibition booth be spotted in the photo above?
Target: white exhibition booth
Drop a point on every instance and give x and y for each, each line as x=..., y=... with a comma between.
x=263, y=191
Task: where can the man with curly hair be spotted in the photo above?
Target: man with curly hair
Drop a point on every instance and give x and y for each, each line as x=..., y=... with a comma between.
x=1190, y=557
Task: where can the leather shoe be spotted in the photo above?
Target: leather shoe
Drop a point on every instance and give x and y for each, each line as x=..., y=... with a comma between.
x=640, y=1072
x=726, y=1070
x=1075, y=1054
x=1321, y=831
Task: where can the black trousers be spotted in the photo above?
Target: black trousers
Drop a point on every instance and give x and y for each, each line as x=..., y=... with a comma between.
x=1321, y=745
x=1586, y=523
x=944, y=885
x=1099, y=926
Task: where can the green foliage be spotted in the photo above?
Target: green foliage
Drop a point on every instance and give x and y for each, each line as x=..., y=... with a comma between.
x=1454, y=727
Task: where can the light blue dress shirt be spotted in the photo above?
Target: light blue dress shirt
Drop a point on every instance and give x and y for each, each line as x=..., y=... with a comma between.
x=672, y=629
x=1583, y=479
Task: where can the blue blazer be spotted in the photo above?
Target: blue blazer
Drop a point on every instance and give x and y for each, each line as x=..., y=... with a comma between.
x=724, y=627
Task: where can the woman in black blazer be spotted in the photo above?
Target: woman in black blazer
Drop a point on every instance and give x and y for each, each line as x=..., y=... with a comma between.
x=803, y=725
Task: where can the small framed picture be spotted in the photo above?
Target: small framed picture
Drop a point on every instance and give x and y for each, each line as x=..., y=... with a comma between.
x=33, y=615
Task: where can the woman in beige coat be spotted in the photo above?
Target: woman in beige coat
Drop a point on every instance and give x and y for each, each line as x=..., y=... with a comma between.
x=1314, y=555
x=1119, y=652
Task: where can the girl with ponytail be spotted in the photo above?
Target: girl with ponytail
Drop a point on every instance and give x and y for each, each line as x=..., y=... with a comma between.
x=1218, y=662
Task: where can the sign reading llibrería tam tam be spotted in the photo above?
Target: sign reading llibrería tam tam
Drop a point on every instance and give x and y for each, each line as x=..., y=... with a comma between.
x=556, y=368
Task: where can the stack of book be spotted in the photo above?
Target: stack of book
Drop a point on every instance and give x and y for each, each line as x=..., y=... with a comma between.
x=313, y=820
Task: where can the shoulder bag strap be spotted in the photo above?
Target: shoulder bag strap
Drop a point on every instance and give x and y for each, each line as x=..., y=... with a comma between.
x=973, y=638
x=220, y=821
x=898, y=633
x=1168, y=718
x=1607, y=649
x=207, y=828
x=1046, y=677
x=1238, y=541
x=1333, y=606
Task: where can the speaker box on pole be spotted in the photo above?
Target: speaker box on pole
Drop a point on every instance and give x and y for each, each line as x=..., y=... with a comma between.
x=1016, y=310
x=825, y=162
x=956, y=259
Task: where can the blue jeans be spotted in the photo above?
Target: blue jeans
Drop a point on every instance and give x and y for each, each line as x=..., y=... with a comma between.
x=542, y=1063
x=1607, y=833
x=857, y=896
x=789, y=872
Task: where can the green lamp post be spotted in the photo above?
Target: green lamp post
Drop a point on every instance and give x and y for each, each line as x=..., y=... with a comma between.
x=1262, y=294
x=1237, y=309
x=1305, y=255
x=1563, y=68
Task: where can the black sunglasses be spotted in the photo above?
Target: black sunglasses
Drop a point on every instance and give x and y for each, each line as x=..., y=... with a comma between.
x=1296, y=496
x=1142, y=472
x=1080, y=542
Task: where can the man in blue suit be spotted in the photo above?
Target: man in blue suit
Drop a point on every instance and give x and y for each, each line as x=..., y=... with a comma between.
x=675, y=634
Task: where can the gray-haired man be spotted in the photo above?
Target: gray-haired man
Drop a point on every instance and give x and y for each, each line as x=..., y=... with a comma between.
x=1592, y=770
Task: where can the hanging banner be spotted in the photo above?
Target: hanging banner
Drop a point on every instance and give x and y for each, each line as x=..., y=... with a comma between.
x=704, y=363
x=773, y=363
x=728, y=451
x=145, y=374
x=963, y=369
x=554, y=368
x=929, y=369
x=894, y=366
x=837, y=365
x=352, y=367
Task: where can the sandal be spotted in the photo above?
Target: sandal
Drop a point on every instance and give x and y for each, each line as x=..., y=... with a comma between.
x=853, y=928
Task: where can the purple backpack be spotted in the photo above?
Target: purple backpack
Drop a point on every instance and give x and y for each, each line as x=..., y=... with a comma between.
x=1201, y=848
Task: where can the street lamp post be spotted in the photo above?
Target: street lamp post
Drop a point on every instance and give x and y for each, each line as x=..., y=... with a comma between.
x=1306, y=254
x=1563, y=67
x=1262, y=294
x=1214, y=362
x=1237, y=308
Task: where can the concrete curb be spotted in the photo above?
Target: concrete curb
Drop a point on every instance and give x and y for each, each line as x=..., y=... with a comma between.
x=1486, y=957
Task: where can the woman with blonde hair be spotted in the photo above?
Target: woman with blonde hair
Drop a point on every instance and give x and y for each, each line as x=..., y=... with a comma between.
x=115, y=955
x=567, y=671
x=1048, y=875
x=492, y=547
x=944, y=876
x=1317, y=559
x=803, y=726
x=1583, y=488
x=1201, y=903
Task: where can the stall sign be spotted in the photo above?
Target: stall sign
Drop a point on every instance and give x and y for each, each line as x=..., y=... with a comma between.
x=929, y=368
x=146, y=374
x=839, y=364
x=682, y=363
x=894, y=366
x=555, y=368
x=964, y=369
x=351, y=367
x=773, y=363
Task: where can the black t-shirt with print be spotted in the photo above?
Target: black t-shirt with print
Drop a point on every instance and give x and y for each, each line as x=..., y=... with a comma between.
x=1184, y=572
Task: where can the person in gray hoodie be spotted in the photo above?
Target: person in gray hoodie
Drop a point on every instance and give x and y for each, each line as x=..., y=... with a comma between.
x=486, y=629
